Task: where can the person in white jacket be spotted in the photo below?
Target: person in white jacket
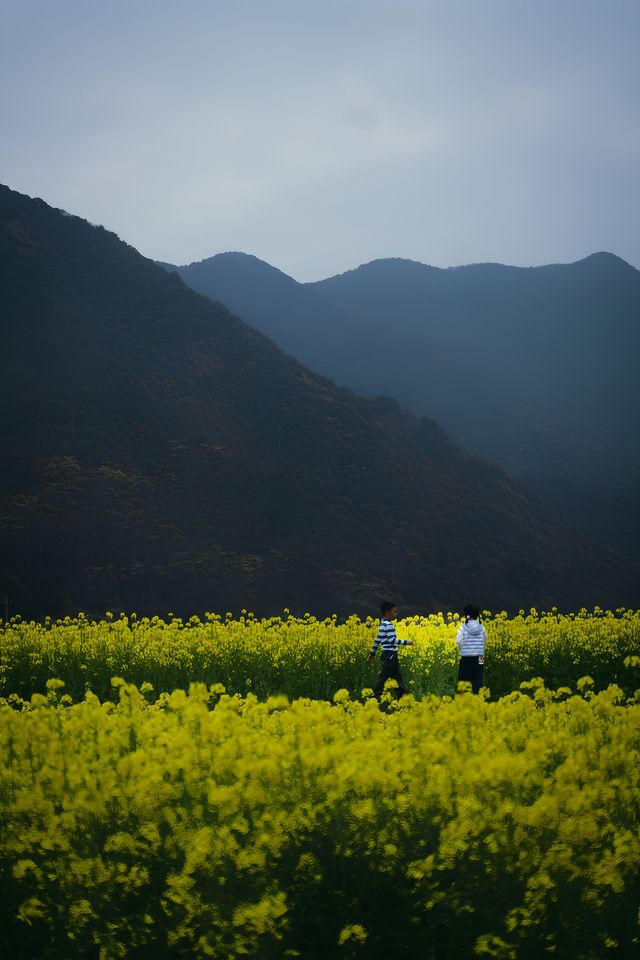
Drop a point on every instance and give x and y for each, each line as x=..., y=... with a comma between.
x=471, y=638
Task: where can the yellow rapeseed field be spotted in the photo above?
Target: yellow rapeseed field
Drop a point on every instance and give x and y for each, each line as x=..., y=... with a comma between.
x=227, y=788
x=210, y=825
x=310, y=657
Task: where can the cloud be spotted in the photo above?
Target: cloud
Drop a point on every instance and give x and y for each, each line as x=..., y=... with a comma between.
x=321, y=134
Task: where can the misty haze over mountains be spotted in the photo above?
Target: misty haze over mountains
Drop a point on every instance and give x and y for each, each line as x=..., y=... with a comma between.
x=161, y=454
x=533, y=368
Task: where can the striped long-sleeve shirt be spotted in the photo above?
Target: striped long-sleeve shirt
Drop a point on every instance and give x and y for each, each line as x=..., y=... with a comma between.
x=387, y=638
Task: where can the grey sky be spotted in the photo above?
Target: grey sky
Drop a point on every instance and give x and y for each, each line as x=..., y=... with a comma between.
x=319, y=135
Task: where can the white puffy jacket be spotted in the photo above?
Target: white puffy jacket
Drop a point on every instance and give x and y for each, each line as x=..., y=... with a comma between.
x=471, y=638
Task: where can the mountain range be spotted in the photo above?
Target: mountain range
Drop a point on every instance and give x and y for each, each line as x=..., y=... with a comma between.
x=160, y=454
x=533, y=368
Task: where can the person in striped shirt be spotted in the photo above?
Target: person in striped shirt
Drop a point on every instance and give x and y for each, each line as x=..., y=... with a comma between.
x=471, y=638
x=388, y=642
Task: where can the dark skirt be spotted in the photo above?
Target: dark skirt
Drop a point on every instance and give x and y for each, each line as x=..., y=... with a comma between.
x=472, y=671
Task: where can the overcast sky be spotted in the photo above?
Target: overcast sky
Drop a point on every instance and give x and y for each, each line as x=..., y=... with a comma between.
x=319, y=135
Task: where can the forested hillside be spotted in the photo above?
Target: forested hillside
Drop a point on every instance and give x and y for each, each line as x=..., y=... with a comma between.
x=161, y=454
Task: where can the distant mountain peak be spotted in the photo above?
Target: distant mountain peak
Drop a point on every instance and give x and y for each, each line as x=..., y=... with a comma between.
x=229, y=256
x=231, y=263
x=603, y=258
x=386, y=264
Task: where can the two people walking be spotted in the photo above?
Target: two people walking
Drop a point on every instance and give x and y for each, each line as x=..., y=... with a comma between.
x=470, y=638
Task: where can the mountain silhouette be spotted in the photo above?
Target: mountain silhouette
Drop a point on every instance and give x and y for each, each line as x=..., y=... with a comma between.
x=162, y=455
x=533, y=368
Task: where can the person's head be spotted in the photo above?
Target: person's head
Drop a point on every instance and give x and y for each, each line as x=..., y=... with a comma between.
x=471, y=612
x=389, y=610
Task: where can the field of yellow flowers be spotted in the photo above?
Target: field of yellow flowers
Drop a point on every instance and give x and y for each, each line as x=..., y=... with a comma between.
x=210, y=825
x=306, y=657
x=178, y=818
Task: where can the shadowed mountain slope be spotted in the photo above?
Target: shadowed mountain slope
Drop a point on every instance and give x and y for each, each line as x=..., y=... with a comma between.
x=535, y=368
x=160, y=454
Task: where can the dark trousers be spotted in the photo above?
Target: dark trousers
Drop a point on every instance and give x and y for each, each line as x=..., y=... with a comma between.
x=472, y=671
x=389, y=670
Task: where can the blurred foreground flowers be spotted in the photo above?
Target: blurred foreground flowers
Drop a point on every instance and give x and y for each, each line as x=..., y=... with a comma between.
x=210, y=825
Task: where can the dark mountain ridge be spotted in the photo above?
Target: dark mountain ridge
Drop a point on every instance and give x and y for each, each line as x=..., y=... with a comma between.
x=532, y=367
x=161, y=454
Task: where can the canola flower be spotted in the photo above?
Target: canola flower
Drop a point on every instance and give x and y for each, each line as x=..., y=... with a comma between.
x=205, y=824
x=307, y=657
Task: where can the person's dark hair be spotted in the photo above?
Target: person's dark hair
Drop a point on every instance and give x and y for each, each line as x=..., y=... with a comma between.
x=386, y=605
x=471, y=612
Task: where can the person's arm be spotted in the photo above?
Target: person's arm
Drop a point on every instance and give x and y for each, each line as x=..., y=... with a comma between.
x=460, y=636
